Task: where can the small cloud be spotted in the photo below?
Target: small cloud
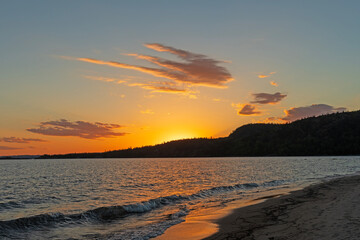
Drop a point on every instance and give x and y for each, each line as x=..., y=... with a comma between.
x=159, y=88
x=20, y=140
x=78, y=129
x=268, y=98
x=165, y=87
x=8, y=148
x=221, y=100
x=147, y=111
x=270, y=119
x=246, y=109
x=265, y=76
x=273, y=83
x=296, y=113
x=105, y=79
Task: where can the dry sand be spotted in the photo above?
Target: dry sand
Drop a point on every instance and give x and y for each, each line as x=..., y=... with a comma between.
x=329, y=210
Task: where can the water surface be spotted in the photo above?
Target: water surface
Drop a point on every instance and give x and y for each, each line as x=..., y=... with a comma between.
x=139, y=198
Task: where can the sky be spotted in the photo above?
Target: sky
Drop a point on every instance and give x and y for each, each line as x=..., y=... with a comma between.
x=93, y=76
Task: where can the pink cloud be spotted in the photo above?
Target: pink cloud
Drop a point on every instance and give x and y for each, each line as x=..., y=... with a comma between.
x=78, y=129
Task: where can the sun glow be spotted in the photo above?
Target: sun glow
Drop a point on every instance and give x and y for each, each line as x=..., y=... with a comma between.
x=178, y=135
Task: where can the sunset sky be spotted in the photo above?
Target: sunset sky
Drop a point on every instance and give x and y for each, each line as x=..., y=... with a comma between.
x=90, y=76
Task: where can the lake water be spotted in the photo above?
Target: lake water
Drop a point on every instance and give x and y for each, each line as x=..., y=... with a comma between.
x=140, y=198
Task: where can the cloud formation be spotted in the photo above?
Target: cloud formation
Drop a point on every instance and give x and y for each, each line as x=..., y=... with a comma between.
x=20, y=140
x=248, y=109
x=8, y=148
x=268, y=98
x=265, y=76
x=296, y=113
x=274, y=83
x=105, y=79
x=81, y=129
x=160, y=87
x=194, y=69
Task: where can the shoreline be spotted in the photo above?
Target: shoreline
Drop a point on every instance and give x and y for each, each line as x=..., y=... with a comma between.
x=202, y=225
x=327, y=210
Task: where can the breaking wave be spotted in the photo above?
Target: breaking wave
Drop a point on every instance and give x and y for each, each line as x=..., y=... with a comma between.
x=116, y=212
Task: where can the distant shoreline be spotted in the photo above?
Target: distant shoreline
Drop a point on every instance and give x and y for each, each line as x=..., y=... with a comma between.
x=326, y=210
x=336, y=134
x=38, y=158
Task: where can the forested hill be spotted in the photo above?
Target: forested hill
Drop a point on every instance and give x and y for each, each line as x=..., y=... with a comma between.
x=333, y=134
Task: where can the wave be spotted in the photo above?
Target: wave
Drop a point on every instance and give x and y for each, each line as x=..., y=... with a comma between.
x=274, y=183
x=9, y=205
x=223, y=189
x=24, y=203
x=152, y=230
x=121, y=211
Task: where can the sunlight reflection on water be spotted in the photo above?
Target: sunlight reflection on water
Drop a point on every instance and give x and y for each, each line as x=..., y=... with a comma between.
x=72, y=187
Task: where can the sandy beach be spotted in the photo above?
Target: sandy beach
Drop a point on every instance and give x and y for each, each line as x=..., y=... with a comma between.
x=328, y=210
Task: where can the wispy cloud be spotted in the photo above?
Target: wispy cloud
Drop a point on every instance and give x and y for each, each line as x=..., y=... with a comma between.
x=265, y=76
x=147, y=111
x=274, y=83
x=20, y=140
x=154, y=86
x=268, y=98
x=81, y=129
x=105, y=79
x=160, y=87
x=296, y=113
x=195, y=69
x=8, y=148
x=246, y=109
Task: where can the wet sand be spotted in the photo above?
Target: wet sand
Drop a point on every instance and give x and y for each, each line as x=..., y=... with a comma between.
x=329, y=210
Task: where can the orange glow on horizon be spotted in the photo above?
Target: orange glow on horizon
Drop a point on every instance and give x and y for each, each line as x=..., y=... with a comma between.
x=179, y=136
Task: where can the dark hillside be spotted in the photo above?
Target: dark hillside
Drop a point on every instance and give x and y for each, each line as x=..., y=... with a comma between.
x=333, y=134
